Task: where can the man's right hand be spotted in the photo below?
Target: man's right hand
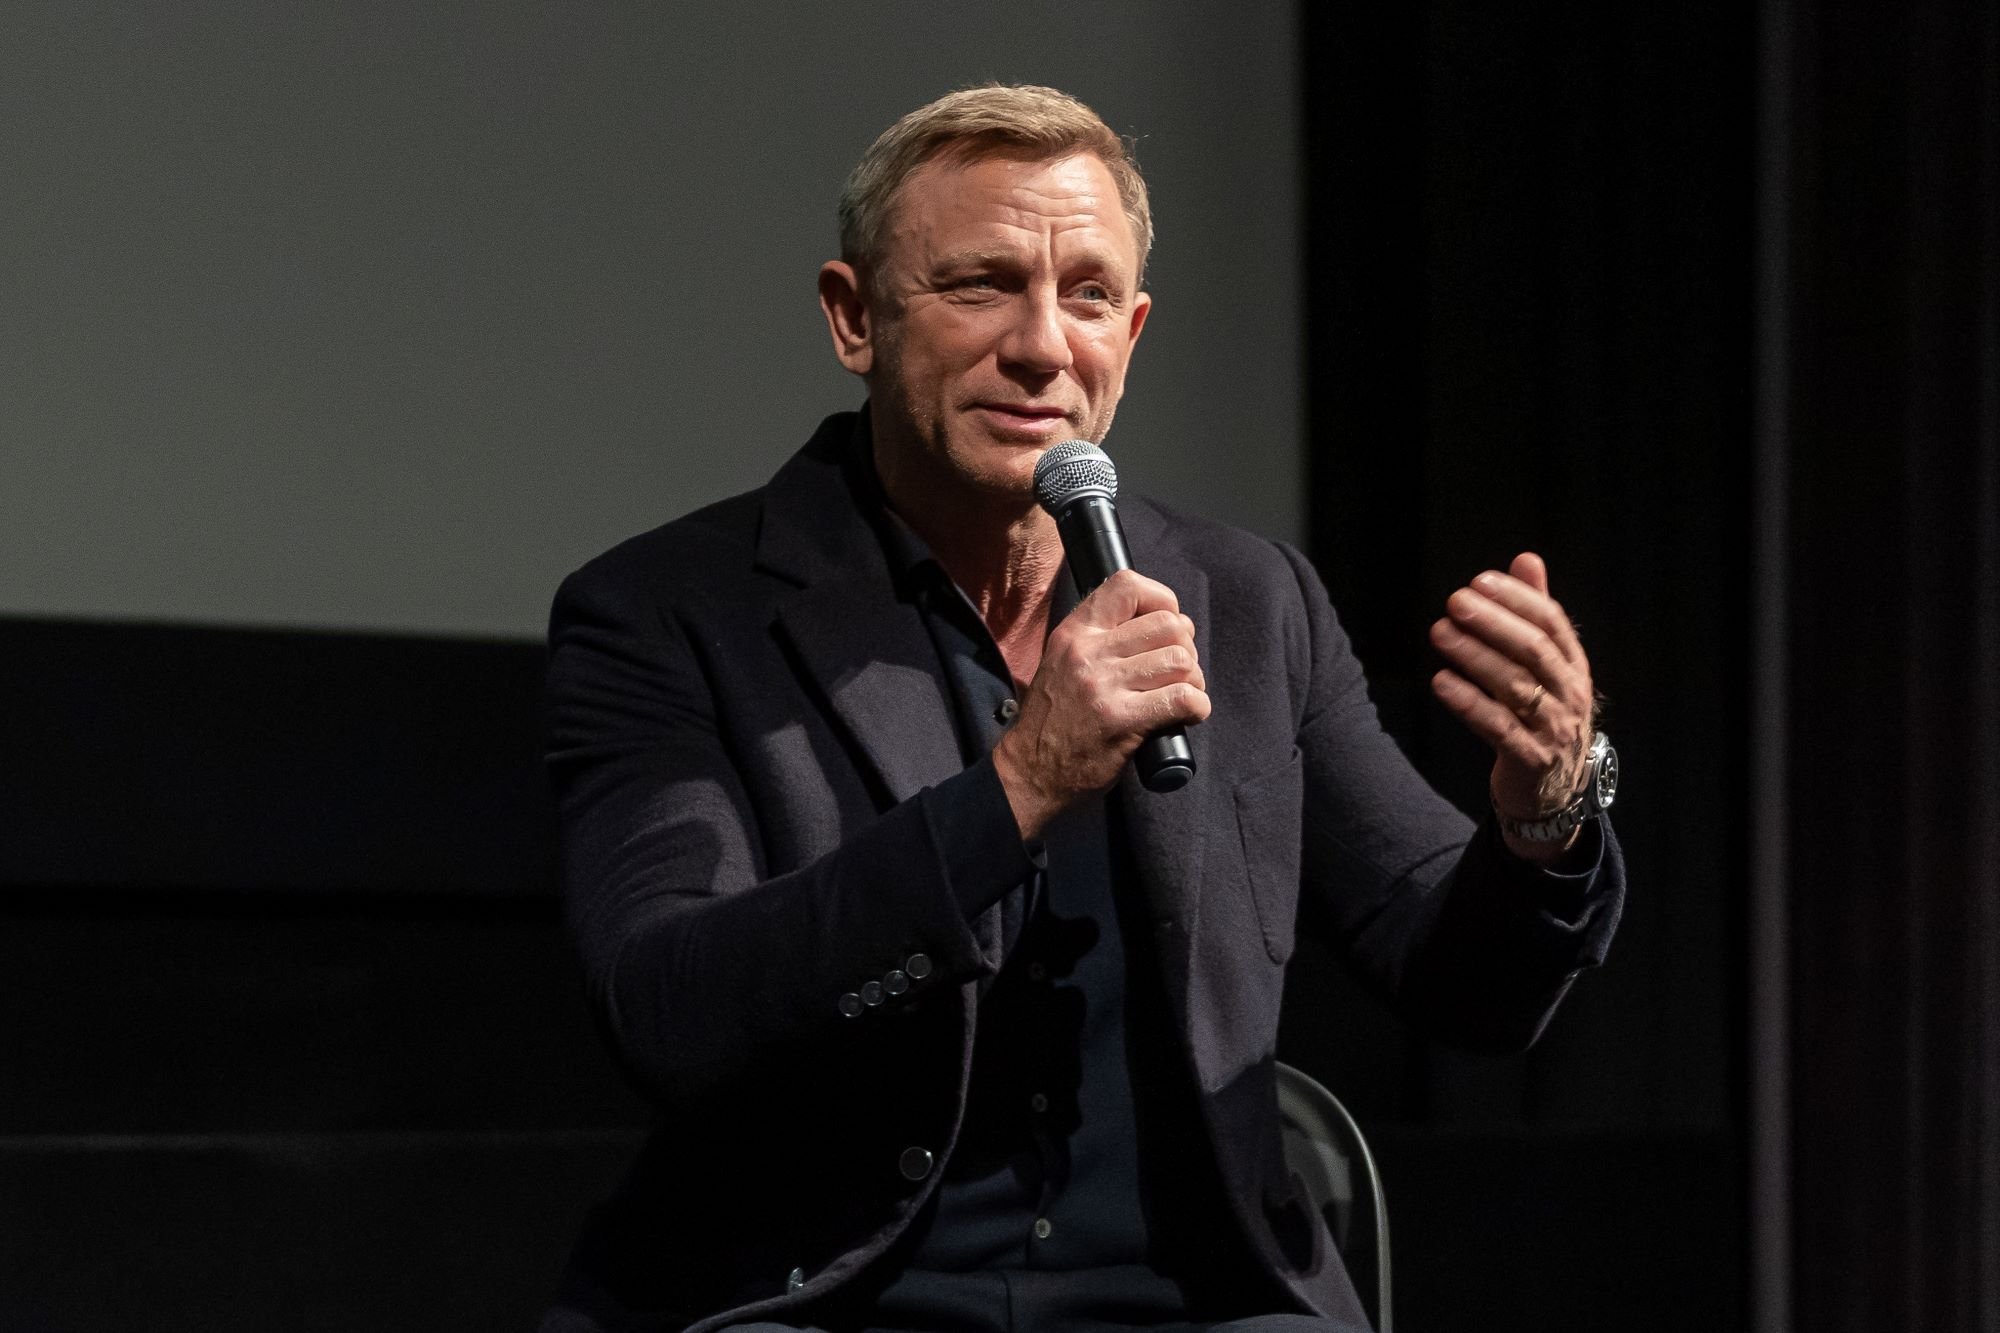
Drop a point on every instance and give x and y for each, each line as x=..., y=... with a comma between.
x=1120, y=666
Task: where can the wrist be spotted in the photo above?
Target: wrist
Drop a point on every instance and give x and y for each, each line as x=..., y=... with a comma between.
x=1543, y=837
x=1031, y=806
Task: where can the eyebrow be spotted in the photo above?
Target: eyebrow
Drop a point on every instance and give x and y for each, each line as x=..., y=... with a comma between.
x=1007, y=258
x=1101, y=261
x=974, y=259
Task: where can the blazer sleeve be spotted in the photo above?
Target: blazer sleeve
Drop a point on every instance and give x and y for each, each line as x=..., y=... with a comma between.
x=697, y=960
x=1472, y=945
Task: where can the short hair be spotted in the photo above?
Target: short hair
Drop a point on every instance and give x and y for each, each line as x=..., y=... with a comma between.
x=987, y=120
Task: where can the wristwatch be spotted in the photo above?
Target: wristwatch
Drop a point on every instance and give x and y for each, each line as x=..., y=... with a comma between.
x=1600, y=788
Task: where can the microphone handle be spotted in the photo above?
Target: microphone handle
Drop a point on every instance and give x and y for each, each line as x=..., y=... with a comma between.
x=1094, y=542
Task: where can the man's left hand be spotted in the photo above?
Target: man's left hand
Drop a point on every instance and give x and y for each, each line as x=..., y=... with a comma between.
x=1519, y=679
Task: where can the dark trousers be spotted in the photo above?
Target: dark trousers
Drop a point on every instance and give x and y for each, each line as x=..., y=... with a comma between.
x=1022, y=1301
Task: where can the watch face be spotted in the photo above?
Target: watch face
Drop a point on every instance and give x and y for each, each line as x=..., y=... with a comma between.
x=1606, y=786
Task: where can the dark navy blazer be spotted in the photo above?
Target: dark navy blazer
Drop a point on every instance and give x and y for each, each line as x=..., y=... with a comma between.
x=768, y=881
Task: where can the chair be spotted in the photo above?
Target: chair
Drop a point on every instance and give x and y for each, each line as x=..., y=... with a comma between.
x=1325, y=1148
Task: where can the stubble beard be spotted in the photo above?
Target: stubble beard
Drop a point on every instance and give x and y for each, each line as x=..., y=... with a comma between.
x=919, y=459
x=916, y=457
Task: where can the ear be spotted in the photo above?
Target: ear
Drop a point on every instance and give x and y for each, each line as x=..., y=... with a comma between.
x=847, y=317
x=1142, y=306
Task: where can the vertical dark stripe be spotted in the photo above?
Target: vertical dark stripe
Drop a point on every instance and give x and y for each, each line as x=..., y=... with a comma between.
x=1986, y=610
x=1769, y=1013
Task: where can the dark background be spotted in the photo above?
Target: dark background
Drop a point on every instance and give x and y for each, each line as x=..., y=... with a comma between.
x=1700, y=303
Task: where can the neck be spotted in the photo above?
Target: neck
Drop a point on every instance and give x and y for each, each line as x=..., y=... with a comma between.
x=1002, y=550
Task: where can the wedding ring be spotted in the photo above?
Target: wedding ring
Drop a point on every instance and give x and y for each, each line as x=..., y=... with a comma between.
x=1533, y=705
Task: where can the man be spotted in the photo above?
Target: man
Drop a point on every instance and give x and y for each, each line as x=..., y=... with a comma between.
x=950, y=1023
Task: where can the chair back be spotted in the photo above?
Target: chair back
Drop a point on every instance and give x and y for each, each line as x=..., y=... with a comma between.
x=1326, y=1150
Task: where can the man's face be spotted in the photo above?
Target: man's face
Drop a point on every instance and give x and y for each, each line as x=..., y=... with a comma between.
x=1003, y=312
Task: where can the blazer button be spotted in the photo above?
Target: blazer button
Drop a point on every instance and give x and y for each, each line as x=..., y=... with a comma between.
x=850, y=1005
x=871, y=994
x=896, y=982
x=918, y=965
x=915, y=1163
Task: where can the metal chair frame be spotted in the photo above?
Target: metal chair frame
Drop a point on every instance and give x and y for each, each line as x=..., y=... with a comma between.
x=1323, y=1145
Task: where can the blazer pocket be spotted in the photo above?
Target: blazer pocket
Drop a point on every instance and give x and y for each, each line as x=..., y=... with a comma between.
x=1268, y=809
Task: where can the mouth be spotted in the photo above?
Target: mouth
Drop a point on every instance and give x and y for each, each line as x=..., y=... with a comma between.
x=1024, y=421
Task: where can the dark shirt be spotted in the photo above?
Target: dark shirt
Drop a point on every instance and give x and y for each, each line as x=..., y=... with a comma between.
x=1081, y=1148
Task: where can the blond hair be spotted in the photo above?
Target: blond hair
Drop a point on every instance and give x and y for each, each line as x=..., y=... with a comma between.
x=992, y=119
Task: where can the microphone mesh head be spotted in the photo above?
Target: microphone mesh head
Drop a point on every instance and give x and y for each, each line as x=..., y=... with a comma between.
x=1072, y=469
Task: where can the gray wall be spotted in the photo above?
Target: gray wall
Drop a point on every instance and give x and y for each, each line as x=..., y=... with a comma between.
x=385, y=315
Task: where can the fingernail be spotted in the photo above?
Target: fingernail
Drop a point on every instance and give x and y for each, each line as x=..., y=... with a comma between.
x=1487, y=582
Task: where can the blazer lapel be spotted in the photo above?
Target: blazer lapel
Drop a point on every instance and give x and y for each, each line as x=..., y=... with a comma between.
x=877, y=668
x=1166, y=829
x=864, y=647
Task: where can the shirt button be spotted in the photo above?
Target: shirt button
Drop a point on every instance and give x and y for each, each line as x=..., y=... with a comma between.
x=1008, y=710
x=918, y=965
x=1038, y=1103
x=871, y=994
x=915, y=1163
x=850, y=1005
x=1042, y=1228
x=1036, y=972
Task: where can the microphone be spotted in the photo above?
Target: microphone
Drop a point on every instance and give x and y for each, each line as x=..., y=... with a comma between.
x=1076, y=484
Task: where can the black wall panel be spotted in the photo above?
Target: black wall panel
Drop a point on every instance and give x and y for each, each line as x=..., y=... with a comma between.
x=140, y=757
x=291, y=1035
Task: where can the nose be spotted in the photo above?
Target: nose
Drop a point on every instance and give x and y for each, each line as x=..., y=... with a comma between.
x=1038, y=341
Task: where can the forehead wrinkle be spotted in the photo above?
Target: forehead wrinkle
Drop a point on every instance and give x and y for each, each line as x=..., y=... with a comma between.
x=1023, y=213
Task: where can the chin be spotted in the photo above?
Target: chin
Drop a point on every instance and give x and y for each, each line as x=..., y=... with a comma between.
x=998, y=465
x=1014, y=483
